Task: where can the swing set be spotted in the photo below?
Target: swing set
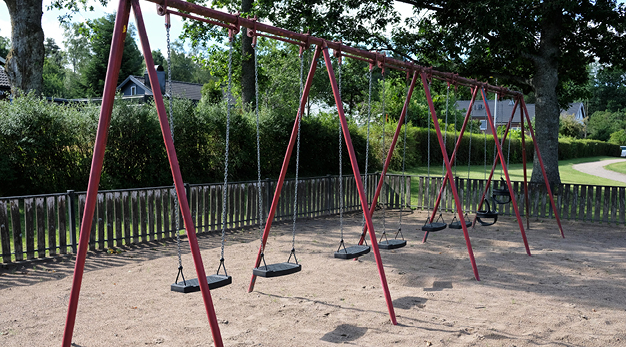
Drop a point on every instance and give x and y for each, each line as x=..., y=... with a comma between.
x=233, y=23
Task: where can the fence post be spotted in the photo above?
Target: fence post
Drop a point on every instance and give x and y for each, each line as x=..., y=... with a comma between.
x=327, y=193
x=268, y=198
x=72, y=219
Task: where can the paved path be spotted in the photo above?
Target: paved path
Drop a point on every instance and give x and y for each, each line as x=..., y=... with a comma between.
x=597, y=169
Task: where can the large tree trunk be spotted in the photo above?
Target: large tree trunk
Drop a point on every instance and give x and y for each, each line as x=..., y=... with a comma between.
x=247, y=60
x=25, y=60
x=545, y=83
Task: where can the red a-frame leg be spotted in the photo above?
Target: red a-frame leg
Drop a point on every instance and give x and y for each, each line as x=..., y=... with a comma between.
x=121, y=23
x=381, y=181
x=359, y=185
x=283, y=170
x=468, y=115
x=506, y=172
x=446, y=160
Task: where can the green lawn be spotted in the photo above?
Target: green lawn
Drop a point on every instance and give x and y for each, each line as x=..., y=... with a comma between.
x=568, y=174
x=617, y=167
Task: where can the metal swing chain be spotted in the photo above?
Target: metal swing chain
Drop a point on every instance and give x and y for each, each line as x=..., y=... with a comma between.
x=445, y=136
x=258, y=146
x=384, y=203
x=469, y=156
x=225, y=187
x=367, y=141
x=403, y=186
x=340, y=159
x=428, y=166
x=295, y=201
x=171, y=121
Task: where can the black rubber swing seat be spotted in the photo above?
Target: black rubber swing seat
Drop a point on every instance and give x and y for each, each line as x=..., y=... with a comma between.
x=192, y=285
x=435, y=226
x=392, y=244
x=352, y=252
x=487, y=214
x=458, y=225
x=278, y=269
x=502, y=192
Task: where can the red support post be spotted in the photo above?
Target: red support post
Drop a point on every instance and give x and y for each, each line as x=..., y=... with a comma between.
x=178, y=180
x=110, y=85
x=283, y=170
x=468, y=115
x=526, y=201
x=495, y=163
x=381, y=181
x=543, y=170
x=446, y=160
x=506, y=172
x=359, y=185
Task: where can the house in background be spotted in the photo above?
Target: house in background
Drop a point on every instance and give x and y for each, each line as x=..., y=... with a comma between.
x=5, y=86
x=504, y=109
x=136, y=87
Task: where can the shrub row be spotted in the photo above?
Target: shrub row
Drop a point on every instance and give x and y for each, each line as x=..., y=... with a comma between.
x=45, y=147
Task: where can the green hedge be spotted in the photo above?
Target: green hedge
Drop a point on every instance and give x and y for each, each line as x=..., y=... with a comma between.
x=48, y=147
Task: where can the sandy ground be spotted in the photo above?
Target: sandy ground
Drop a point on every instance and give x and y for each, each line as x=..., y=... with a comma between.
x=569, y=293
x=597, y=169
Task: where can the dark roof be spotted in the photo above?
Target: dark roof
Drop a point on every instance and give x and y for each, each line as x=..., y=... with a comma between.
x=192, y=91
x=4, y=80
x=183, y=90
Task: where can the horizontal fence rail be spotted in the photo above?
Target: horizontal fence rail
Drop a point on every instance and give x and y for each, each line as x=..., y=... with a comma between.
x=40, y=226
x=580, y=202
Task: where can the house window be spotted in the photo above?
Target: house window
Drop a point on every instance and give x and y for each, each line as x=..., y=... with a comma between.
x=483, y=125
x=478, y=107
x=133, y=90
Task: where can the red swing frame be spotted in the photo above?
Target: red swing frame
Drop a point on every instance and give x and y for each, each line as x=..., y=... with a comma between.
x=233, y=23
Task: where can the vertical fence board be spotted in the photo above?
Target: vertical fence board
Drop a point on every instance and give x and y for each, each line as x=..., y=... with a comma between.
x=143, y=220
x=4, y=233
x=29, y=227
x=52, y=225
x=127, y=217
x=590, y=203
x=220, y=206
x=134, y=205
x=573, y=202
x=597, y=208
x=158, y=211
x=614, y=205
x=62, y=218
x=110, y=219
x=17, y=229
x=606, y=204
x=101, y=218
x=622, y=192
x=117, y=210
x=41, y=227
x=151, y=221
x=563, y=210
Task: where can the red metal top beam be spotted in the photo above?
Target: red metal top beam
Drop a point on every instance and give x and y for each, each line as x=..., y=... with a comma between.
x=233, y=21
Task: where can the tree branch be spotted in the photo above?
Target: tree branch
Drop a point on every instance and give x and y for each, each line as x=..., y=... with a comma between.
x=421, y=4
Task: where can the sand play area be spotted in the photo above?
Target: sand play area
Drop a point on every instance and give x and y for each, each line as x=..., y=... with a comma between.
x=571, y=292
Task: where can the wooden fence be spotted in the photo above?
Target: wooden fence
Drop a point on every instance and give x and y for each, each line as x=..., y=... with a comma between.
x=580, y=202
x=46, y=225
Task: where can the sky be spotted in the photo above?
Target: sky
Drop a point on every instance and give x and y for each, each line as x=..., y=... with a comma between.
x=155, y=24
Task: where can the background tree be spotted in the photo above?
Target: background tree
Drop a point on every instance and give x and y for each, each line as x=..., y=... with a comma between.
x=25, y=59
x=5, y=45
x=542, y=47
x=608, y=90
x=54, y=71
x=100, y=35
